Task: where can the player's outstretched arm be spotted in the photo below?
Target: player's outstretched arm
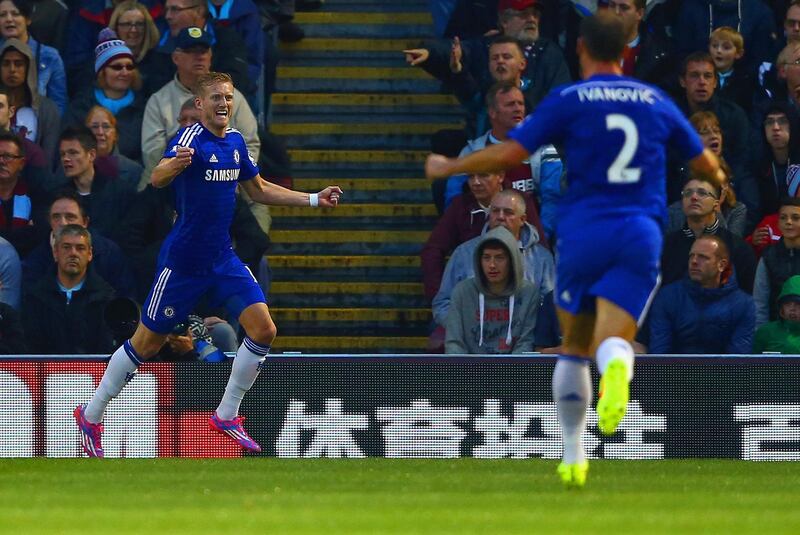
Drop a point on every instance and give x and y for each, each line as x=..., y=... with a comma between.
x=168, y=168
x=489, y=160
x=265, y=192
x=706, y=166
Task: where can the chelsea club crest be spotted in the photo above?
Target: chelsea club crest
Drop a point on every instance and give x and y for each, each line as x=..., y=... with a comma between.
x=236, y=156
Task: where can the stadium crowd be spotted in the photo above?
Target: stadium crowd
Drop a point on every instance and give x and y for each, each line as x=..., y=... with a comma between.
x=91, y=91
x=731, y=66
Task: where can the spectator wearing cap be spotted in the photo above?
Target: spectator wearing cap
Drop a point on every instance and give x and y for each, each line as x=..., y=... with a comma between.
x=133, y=24
x=117, y=88
x=192, y=58
x=229, y=53
x=15, y=19
x=783, y=334
x=35, y=117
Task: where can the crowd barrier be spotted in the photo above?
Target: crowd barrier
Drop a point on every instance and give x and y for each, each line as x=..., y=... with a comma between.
x=743, y=407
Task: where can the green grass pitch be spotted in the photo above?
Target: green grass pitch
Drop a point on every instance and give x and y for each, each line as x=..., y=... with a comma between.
x=265, y=495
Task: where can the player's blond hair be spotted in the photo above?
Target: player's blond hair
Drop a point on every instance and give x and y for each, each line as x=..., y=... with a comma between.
x=726, y=33
x=210, y=79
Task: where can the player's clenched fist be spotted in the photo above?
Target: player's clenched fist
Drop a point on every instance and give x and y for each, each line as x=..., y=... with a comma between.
x=183, y=156
x=329, y=197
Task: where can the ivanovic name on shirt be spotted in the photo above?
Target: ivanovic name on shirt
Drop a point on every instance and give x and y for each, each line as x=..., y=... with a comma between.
x=594, y=93
x=221, y=175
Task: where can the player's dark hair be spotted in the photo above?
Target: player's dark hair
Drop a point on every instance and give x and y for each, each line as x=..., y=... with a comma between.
x=81, y=134
x=498, y=88
x=789, y=201
x=603, y=36
x=12, y=138
x=639, y=4
x=74, y=230
x=71, y=195
x=697, y=57
x=508, y=40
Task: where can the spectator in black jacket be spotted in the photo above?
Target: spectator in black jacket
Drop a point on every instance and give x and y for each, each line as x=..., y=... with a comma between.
x=700, y=205
x=736, y=82
x=63, y=312
x=12, y=337
x=647, y=55
x=108, y=259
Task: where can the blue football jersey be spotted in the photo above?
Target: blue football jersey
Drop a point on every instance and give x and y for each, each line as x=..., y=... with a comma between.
x=204, y=197
x=614, y=132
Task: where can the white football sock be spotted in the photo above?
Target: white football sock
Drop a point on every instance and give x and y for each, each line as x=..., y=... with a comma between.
x=613, y=348
x=121, y=369
x=572, y=392
x=246, y=366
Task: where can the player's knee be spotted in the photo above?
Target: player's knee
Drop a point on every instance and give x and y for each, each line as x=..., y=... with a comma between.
x=263, y=333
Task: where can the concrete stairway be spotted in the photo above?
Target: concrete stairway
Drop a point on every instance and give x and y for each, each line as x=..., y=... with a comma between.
x=353, y=114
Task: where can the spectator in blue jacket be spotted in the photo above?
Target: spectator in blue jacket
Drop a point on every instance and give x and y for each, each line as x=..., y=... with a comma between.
x=15, y=18
x=705, y=312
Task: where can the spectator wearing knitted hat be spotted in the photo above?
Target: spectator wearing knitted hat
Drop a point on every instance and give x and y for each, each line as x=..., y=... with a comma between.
x=35, y=117
x=116, y=88
x=15, y=16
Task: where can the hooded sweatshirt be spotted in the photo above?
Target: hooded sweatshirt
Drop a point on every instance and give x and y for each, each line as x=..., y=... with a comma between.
x=47, y=115
x=782, y=335
x=481, y=322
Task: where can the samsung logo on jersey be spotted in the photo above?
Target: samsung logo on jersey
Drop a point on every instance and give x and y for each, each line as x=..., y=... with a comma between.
x=616, y=94
x=221, y=175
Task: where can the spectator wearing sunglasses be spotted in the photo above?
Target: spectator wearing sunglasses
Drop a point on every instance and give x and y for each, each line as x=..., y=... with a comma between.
x=117, y=88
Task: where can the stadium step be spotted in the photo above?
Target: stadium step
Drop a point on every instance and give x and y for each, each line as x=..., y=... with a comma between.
x=354, y=114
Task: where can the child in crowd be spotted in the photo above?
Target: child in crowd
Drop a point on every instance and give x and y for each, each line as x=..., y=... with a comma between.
x=726, y=47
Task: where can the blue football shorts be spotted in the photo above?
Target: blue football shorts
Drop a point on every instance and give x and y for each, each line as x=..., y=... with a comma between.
x=175, y=294
x=616, y=258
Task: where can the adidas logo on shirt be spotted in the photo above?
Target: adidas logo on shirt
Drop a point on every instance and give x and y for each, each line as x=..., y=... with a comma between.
x=213, y=159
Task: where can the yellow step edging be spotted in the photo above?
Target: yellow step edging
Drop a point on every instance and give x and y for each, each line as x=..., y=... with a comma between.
x=348, y=343
x=362, y=129
x=350, y=314
x=349, y=236
x=328, y=288
x=357, y=73
x=343, y=261
x=362, y=184
x=351, y=45
x=357, y=210
x=385, y=156
x=328, y=17
x=362, y=99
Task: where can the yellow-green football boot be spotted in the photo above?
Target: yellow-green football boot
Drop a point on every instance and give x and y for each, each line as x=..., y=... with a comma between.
x=573, y=475
x=613, y=397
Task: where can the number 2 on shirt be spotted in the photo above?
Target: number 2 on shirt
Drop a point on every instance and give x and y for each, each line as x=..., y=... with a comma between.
x=618, y=171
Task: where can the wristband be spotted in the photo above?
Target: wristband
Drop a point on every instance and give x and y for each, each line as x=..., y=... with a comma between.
x=313, y=199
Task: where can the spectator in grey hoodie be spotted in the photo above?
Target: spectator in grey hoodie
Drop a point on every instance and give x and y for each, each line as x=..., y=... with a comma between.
x=495, y=311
